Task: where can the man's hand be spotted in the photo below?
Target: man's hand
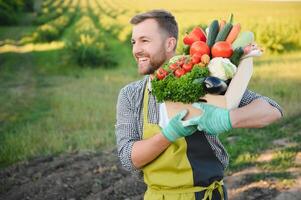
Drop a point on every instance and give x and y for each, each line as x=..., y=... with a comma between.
x=176, y=128
x=213, y=120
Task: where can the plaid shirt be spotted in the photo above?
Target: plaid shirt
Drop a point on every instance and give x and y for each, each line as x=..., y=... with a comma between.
x=129, y=125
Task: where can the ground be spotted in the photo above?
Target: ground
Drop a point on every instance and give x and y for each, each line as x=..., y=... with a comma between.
x=90, y=175
x=70, y=176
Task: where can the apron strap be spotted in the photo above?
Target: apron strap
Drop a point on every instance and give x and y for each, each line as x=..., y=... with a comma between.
x=208, y=190
x=145, y=105
x=215, y=185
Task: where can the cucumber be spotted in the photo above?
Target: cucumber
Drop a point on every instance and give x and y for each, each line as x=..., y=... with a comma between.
x=213, y=31
x=237, y=54
x=222, y=35
x=243, y=39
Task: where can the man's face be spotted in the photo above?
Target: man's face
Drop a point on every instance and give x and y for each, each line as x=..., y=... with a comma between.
x=148, y=49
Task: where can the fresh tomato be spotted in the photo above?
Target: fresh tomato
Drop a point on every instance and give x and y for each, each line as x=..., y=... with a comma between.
x=183, y=58
x=179, y=72
x=181, y=61
x=173, y=66
x=161, y=73
x=195, y=58
x=199, y=47
x=187, y=67
x=161, y=70
x=222, y=49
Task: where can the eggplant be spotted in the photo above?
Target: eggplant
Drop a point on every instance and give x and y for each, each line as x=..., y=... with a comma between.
x=228, y=81
x=214, y=85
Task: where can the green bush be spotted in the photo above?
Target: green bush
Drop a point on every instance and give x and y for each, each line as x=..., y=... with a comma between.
x=50, y=13
x=9, y=10
x=278, y=36
x=53, y=29
x=88, y=46
x=47, y=33
x=7, y=18
x=29, y=5
x=7, y=14
x=93, y=54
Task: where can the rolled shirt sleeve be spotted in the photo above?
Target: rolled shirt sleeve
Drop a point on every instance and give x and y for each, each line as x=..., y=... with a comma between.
x=126, y=129
x=249, y=96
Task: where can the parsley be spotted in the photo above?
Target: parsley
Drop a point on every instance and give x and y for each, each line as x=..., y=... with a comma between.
x=180, y=89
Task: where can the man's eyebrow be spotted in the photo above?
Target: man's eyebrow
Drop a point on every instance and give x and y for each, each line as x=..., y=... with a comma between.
x=142, y=37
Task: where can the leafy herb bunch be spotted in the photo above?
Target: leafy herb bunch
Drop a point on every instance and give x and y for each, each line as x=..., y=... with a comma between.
x=180, y=89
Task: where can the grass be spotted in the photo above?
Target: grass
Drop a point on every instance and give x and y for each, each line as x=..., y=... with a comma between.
x=272, y=175
x=15, y=32
x=11, y=34
x=54, y=107
x=279, y=78
x=282, y=160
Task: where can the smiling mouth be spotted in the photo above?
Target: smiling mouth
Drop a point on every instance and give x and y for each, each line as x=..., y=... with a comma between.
x=142, y=60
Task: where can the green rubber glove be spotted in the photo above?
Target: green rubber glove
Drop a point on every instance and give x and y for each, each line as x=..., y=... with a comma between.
x=175, y=128
x=213, y=120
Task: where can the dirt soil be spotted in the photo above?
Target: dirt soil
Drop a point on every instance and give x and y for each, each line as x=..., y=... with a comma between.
x=99, y=176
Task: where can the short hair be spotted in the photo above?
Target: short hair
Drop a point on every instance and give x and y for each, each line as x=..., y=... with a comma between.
x=164, y=18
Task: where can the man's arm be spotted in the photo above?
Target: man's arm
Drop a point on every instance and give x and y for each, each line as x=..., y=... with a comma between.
x=132, y=150
x=257, y=114
x=145, y=151
x=126, y=129
x=255, y=111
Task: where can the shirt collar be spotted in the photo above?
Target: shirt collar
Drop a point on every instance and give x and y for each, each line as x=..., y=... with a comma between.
x=149, y=84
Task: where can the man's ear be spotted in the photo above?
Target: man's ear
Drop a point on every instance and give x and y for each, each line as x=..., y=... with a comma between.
x=170, y=44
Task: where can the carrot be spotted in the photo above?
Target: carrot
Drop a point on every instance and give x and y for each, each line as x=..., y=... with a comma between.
x=222, y=24
x=233, y=33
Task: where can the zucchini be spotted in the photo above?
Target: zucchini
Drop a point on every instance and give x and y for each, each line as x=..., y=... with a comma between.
x=223, y=34
x=243, y=39
x=237, y=54
x=213, y=31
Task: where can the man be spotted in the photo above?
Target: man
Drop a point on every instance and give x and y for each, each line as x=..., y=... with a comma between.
x=184, y=160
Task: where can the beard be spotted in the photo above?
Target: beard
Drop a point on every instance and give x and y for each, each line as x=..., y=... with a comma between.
x=155, y=61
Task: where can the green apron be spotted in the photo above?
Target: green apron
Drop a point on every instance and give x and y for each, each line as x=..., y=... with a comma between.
x=188, y=169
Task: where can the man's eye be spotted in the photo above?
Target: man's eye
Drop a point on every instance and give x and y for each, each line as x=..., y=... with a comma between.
x=133, y=42
x=144, y=41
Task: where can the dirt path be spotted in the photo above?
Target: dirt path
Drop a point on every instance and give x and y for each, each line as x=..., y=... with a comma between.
x=241, y=186
x=99, y=176
x=257, y=183
x=72, y=176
